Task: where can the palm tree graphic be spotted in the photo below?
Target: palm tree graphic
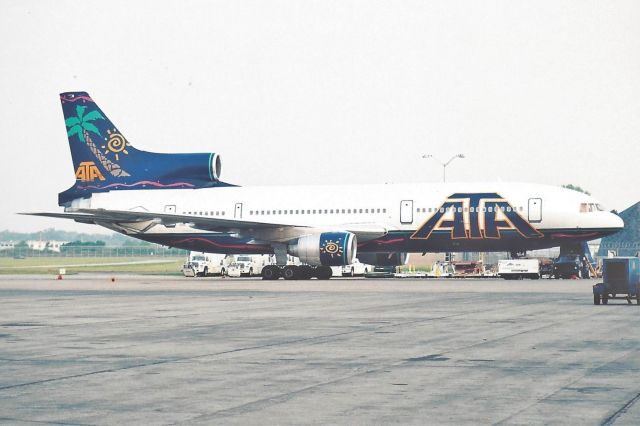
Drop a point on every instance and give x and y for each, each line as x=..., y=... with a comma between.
x=81, y=126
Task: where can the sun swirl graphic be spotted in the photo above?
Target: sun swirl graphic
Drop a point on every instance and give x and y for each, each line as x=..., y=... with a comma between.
x=332, y=248
x=116, y=144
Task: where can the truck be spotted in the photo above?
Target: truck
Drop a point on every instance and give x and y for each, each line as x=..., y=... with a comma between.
x=570, y=266
x=621, y=280
x=201, y=264
x=517, y=269
x=356, y=268
x=248, y=265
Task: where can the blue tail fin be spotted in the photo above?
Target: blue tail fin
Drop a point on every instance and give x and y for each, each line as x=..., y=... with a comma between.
x=103, y=159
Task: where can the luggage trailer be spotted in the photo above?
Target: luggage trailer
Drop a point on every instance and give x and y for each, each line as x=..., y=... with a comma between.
x=621, y=280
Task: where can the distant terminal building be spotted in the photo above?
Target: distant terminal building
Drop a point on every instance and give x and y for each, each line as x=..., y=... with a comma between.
x=7, y=245
x=627, y=241
x=42, y=245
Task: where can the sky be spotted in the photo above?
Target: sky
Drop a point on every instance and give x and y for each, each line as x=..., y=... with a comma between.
x=328, y=92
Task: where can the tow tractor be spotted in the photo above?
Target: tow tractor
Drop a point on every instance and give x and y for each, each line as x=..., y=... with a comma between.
x=621, y=280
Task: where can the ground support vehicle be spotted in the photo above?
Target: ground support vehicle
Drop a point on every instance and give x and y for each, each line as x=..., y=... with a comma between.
x=571, y=266
x=356, y=268
x=442, y=269
x=517, y=269
x=204, y=264
x=621, y=280
x=248, y=266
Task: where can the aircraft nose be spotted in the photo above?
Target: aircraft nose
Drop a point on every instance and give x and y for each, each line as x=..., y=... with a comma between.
x=615, y=222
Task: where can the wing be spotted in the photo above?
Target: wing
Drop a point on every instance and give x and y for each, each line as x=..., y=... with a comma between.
x=138, y=222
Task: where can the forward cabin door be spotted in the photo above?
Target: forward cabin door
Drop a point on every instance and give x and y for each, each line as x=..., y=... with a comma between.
x=406, y=211
x=535, y=209
x=237, y=214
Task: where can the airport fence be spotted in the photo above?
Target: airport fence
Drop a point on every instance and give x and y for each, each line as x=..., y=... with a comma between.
x=96, y=251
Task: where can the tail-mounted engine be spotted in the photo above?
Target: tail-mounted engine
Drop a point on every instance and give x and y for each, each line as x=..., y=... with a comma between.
x=325, y=249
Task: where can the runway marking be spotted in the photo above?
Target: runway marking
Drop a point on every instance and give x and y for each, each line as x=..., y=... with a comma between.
x=612, y=418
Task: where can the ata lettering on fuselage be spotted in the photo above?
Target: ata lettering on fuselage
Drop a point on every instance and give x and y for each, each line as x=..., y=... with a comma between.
x=476, y=216
x=88, y=172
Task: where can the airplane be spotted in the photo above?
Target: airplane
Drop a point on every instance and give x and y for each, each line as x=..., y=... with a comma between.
x=178, y=200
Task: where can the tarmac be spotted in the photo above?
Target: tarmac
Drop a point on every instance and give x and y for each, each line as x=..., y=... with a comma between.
x=161, y=350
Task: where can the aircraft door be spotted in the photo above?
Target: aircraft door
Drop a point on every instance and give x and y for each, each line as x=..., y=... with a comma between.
x=406, y=211
x=535, y=209
x=238, y=211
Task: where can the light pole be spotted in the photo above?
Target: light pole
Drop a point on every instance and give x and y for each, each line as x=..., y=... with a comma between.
x=444, y=164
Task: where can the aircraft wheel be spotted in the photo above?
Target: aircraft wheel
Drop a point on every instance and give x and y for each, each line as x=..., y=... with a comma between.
x=271, y=272
x=596, y=299
x=605, y=299
x=324, y=272
x=290, y=272
x=305, y=272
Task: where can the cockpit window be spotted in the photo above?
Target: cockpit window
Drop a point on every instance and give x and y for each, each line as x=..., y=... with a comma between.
x=591, y=207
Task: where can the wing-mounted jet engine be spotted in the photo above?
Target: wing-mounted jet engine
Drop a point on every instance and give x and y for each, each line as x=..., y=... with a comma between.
x=325, y=249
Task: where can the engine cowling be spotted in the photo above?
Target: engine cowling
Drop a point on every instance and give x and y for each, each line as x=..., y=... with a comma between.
x=383, y=259
x=325, y=249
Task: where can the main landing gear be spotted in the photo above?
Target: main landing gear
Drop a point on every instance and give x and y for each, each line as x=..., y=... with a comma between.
x=294, y=272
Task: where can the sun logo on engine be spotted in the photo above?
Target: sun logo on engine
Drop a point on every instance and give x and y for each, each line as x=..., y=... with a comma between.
x=331, y=248
x=116, y=143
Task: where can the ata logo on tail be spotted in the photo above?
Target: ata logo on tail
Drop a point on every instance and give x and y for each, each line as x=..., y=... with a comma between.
x=88, y=172
x=476, y=216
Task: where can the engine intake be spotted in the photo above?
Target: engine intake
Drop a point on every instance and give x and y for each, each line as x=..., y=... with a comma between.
x=325, y=249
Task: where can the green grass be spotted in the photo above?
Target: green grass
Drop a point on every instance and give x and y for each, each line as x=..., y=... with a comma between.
x=51, y=265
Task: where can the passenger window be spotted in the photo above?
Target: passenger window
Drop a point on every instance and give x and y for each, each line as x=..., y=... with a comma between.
x=385, y=210
x=342, y=211
x=360, y=210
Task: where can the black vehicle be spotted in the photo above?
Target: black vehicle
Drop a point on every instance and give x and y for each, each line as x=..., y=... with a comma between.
x=546, y=270
x=570, y=265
